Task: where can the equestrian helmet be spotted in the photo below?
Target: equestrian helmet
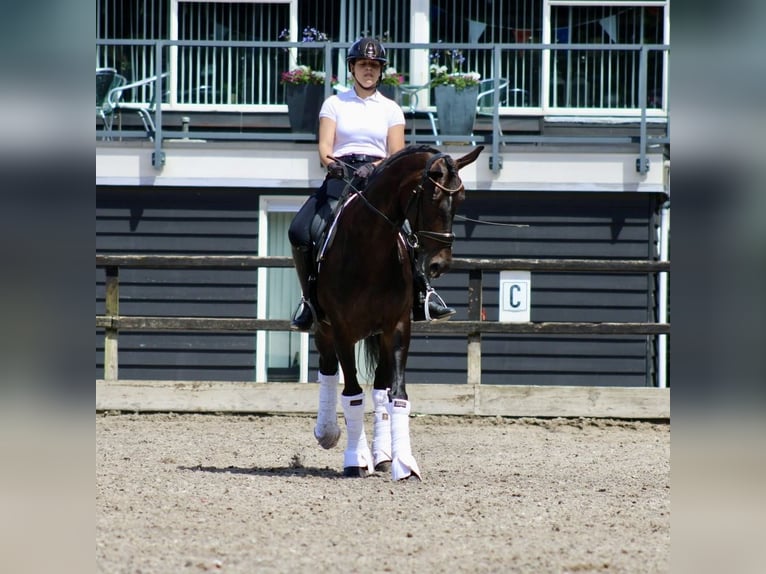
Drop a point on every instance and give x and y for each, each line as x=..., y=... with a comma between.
x=367, y=49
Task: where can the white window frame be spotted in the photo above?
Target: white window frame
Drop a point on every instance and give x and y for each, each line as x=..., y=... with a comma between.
x=173, y=56
x=546, y=63
x=273, y=204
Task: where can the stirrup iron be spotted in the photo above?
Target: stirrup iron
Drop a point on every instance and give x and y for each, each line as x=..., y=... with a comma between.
x=431, y=292
x=304, y=302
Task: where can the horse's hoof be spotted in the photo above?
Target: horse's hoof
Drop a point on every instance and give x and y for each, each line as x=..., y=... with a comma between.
x=328, y=436
x=410, y=478
x=356, y=471
x=383, y=466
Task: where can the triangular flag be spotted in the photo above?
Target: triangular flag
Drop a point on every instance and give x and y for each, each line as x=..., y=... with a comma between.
x=609, y=24
x=475, y=30
x=522, y=36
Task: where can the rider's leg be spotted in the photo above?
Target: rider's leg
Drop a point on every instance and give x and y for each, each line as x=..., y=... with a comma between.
x=303, y=257
x=305, y=229
x=303, y=317
x=429, y=306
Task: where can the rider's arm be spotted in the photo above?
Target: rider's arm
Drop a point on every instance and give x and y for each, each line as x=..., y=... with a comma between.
x=395, y=139
x=326, y=140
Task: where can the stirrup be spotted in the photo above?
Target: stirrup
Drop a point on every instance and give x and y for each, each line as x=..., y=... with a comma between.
x=431, y=292
x=304, y=303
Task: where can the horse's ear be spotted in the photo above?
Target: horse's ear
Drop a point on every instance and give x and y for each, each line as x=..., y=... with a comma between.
x=468, y=158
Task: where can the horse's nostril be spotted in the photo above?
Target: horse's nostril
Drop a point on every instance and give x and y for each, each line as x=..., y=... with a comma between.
x=437, y=269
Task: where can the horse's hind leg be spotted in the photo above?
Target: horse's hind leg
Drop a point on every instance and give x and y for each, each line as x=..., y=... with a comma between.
x=326, y=430
x=381, y=426
x=381, y=430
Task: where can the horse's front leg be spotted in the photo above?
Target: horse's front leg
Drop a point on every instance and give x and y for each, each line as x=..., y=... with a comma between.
x=357, y=458
x=403, y=465
x=326, y=430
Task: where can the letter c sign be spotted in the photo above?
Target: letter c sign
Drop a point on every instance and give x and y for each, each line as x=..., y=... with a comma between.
x=514, y=297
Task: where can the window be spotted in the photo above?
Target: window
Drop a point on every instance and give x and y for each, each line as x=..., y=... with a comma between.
x=227, y=74
x=280, y=355
x=605, y=78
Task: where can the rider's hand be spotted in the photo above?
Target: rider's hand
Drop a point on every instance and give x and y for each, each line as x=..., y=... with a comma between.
x=335, y=169
x=364, y=171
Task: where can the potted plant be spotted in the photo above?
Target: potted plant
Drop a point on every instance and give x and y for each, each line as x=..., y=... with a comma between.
x=455, y=93
x=304, y=85
x=390, y=80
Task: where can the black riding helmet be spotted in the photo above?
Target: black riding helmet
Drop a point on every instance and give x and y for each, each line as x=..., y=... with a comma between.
x=366, y=49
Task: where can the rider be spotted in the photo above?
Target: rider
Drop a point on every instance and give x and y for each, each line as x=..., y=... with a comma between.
x=360, y=128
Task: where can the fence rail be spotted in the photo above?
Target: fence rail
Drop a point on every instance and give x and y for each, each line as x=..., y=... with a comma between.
x=112, y=322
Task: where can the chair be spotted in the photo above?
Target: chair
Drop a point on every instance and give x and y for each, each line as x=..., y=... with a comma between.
x=484, y=103
x=107, y=80
x=411, y=109
x=143, y=109
x=485, y=100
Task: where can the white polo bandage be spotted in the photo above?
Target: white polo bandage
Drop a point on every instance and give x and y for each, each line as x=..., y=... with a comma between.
x=357, y=452
x=381, y=427
x=403, y=464
x=327, y=431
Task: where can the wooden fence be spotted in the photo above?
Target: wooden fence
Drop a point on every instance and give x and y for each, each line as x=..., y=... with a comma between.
x=112, y=323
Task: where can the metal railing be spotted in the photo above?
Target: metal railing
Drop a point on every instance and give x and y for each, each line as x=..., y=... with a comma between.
x=497, y=57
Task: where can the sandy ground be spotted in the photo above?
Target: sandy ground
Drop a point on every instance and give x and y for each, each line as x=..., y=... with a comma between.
x=196, y=493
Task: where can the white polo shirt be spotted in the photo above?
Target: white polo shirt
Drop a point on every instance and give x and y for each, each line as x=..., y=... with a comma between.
x=361, y=125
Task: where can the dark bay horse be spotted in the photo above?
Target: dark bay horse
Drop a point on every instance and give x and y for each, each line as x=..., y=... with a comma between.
x=365, y=290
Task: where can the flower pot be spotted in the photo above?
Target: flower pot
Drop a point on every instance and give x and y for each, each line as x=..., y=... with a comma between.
x=303, y=104
x=391, y=92
x=456, y=109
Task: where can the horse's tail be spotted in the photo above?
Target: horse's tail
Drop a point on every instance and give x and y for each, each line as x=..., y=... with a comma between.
x=372, y=354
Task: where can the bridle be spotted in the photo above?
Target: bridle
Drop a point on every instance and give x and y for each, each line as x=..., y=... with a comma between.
x=418, y=194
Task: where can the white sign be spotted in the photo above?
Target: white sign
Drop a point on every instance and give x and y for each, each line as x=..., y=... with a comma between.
x=515, y=287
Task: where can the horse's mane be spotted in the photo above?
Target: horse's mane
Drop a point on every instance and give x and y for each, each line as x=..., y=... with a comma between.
x=406, y=151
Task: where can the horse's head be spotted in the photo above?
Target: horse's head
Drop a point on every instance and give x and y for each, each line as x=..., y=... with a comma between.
x=438, y=195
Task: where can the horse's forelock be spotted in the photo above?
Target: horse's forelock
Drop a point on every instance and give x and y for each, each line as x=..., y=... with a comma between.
x=450, y=180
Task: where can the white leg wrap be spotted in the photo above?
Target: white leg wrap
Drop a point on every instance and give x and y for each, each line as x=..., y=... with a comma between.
x=357, y=451
x=381, y=428
x=327, y=431
x=403, y=464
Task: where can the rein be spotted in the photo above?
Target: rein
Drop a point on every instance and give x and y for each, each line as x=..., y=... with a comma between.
x=417, y=194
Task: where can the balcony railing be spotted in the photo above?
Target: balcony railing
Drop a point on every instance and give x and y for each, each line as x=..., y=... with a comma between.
x=580, y=82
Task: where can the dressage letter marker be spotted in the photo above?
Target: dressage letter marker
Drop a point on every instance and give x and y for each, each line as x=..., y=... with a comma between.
x=515, y=287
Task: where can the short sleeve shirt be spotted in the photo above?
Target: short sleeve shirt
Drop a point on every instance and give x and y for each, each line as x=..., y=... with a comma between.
x=361, y=125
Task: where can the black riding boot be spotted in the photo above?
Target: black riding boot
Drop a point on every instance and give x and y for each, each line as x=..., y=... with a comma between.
x=303, y=317
x=428, y=304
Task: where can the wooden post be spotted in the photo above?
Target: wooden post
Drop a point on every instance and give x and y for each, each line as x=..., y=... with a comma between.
x=474, y=314
x=112, y=303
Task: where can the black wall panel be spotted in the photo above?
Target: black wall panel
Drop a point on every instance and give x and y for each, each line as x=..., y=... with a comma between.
x=489, y=224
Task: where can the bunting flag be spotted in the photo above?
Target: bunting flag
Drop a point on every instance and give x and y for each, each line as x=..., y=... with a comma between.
x=609, y=24
x=522, y=36
x=562, y=35
x=475, y=30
